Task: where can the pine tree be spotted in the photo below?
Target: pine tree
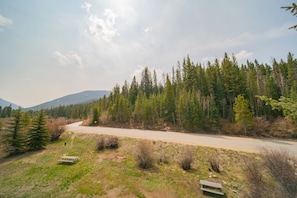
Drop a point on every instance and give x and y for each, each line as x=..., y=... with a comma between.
x=293, y=10
x=146, y=82
x=243, y=116
x=96, y=115
x=133, y=92
x=197, y=112
x=169, y=102
x=14, y=139
x=38, y=135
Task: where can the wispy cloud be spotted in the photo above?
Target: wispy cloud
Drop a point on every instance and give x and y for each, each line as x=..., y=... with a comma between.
x=71, y=58
x=148, y=30
x=103, y=29
x=86, y=6
x=4, y=22
x=243, y=55
x=247, y=37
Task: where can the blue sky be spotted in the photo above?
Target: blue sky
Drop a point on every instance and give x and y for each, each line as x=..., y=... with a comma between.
x=52, y=48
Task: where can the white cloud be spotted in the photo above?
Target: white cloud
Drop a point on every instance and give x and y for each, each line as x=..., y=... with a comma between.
x=5, y=21
x=72, y=58
x=76, y=59
x=243, y=55
x=148, y=30
x=86, y=6
x=103, y=29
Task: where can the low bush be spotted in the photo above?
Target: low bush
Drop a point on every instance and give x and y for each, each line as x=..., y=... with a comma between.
x=107, y=143
x=111, y=143
x=144, y=155
x=56, y=128
x=100, y=144
x=284, y=168
x=163, y=158
x=254, y=174
x=215, y=164
x=186, y=159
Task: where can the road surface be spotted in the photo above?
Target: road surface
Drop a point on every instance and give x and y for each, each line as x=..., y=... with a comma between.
x=216, y=141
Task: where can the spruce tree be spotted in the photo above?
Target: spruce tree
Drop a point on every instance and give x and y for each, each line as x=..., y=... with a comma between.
x=14, y=138
x=243, y=116
x=38, y=135
x=96, y=114
x=169, y=102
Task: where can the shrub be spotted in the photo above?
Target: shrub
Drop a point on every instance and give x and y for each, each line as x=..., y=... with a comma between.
x=186, y=159
x=163, y=158
x=111, y=143
x=56, y=128
x=144, y=156
x=283, y=167
x=215, y=164
x=254, y=174
x=107, y=143
x=100, y=144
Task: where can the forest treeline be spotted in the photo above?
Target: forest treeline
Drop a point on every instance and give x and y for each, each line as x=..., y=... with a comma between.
x=192, y=97
x=196, y=97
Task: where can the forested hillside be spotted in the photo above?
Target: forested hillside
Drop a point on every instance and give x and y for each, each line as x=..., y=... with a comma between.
x=196, y=97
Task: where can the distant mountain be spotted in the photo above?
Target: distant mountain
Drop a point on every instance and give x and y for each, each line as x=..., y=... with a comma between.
x=78, y=98
x=4, y=103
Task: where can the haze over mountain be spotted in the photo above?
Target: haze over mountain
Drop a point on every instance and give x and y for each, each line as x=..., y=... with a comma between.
x=77, y=98
x=4, y=103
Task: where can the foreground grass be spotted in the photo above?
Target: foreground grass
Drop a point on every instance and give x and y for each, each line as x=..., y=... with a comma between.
x=114, y=173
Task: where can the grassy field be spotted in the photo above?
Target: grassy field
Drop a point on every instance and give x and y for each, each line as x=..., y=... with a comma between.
x=114, y=173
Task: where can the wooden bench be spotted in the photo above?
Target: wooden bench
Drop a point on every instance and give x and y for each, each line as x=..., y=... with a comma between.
x=211, y=187
x=68, y=159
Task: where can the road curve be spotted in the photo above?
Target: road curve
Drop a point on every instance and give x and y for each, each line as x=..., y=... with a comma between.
x=217, y=141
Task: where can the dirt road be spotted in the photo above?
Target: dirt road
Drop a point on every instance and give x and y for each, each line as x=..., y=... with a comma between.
x=216, y=141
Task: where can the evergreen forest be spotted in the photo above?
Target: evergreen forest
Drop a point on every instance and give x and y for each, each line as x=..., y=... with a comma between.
x=216, y=97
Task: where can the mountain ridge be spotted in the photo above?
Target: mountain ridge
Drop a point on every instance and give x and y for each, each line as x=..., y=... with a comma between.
x=71, y=99
x=5, y=103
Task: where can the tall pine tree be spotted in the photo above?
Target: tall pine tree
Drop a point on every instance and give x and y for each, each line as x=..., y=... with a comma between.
x=14, y=139
x=243, y=116
x=38, y=135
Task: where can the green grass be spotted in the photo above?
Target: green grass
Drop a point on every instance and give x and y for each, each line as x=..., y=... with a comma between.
x=114, y=173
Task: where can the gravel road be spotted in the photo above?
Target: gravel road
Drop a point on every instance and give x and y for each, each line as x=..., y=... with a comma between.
x=216, y=141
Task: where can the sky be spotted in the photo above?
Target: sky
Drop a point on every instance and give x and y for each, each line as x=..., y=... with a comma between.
x=52, y=48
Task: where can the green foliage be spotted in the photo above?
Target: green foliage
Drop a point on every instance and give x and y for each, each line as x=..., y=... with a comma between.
x=169, y=102
x=243, y=116
x=193, y=97
x=293, y=10
x=287, y=105
x=5, y=112
x=14, y=139
x=38, y=135
x=96, y=115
